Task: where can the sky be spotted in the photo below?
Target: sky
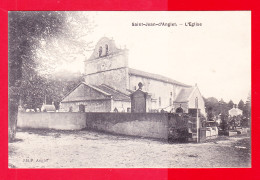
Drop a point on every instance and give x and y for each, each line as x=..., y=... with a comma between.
x=216, y=55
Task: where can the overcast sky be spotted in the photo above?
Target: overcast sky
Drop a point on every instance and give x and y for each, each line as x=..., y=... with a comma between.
x=216, y=55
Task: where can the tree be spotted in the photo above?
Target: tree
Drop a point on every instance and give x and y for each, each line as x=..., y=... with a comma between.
x=25, y=30
x=212, y=105
x=48, y=90
x=230, y=104
x=223, y=107
x=247, y=107
x=60, y=85
x=241, y=104
x=28, y=32
x=210, y=115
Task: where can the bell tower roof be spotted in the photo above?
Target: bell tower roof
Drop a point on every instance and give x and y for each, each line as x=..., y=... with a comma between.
x=104, y=47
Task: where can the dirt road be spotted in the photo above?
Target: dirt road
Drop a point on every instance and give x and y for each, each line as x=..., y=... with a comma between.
x=83, y=149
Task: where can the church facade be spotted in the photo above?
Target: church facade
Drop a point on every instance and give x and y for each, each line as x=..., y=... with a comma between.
x=109, y=83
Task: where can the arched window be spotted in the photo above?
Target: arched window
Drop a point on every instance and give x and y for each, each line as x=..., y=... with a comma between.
x=106, y=49
x=100, y=51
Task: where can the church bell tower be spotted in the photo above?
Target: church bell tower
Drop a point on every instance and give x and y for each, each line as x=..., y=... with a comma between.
x=108, y=65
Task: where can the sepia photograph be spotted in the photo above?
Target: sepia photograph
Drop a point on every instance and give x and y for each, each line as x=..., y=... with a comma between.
x=129, y=89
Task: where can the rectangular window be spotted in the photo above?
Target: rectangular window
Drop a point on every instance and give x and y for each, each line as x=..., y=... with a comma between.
x=160, y=102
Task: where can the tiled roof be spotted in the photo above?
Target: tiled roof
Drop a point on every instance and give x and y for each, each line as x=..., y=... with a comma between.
x=155, y=77
x=116, y=94
x=106, y=91
x=80, y=95
x=184, y=95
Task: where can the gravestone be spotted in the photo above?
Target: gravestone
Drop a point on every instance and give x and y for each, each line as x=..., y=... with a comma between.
x=139, y=100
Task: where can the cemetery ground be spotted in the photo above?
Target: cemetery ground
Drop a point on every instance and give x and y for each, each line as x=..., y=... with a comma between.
x=87, y=149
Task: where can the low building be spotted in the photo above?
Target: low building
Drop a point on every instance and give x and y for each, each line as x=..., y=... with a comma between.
x=91, y=98
x=186, y=101
x=235, y=112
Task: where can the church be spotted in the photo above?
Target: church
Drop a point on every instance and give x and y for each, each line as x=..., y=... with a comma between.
x=109, y=82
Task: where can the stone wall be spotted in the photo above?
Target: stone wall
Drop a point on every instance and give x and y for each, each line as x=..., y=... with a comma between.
x=45, y=120
x=151, y=125
x=135, y=124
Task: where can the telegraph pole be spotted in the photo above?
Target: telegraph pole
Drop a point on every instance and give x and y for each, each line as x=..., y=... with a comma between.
x=197, y=118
